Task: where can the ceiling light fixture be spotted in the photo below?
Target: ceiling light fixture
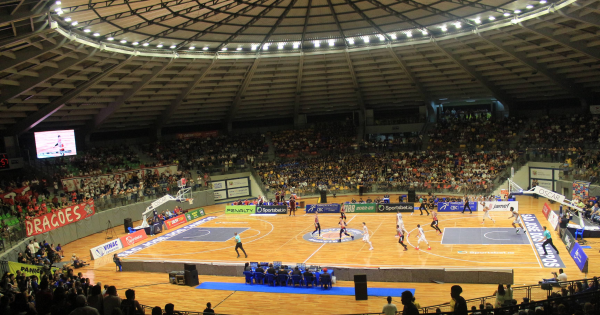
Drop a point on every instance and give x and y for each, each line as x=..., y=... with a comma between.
x=351, y=41
x=135, y=43
x=506, y=13
x=58, y=3
x=296, y=45
x=87, y=30
x=159, y=46
x=205, y=48
x=317, y=43
x=492, y=18
x=409, y=34
x=381, y=37
x=366, y=39
x=96, y=34
x=477, y=21
x=145, y=44
x=424, y=32
x=458, y=25
x=393, y=36
x=224, y=49
x=542, y=1
x=331, y=42
x=444, y=28
x=110, y=38
x=529, y=7
x=74, y=23
x=517, y=11
x=253, y=47
x=238, y=49
x=266, y=46
x=173, y=46
x=123, y=41
x=192, y=47
x=280, y=45
x=68, y=19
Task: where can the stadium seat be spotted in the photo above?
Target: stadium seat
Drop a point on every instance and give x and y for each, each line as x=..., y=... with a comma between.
x=271, y=279
x=579, y=232
x=130, y=229
x=282, y=280
x=309, y=280
x=325, y=284
x=249, y=277
x=297, y=279
x=259, y=277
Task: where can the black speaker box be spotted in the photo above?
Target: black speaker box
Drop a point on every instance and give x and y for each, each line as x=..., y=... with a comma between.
x=191, y=278
x=127, y=223
x=360, y=287
x=189, y=267
x=323, y=196
x=412, y=196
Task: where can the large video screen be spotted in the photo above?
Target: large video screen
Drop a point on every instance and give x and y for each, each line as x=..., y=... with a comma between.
x=55, y=143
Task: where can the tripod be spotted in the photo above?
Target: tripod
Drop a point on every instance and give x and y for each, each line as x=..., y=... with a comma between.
x=110, y=231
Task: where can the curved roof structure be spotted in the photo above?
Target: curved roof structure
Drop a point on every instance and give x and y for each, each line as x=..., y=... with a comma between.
x=284, y=58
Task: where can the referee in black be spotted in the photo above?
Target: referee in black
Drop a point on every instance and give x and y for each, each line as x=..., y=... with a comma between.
x=238, y=244
x=466, y=205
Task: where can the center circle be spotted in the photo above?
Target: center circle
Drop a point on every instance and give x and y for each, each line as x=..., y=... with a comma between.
x=332, y=236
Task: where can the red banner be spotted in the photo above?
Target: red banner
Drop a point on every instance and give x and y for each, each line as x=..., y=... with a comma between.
x=176, y=221
x=199, y=134
x=59, y=218
x=133, y=238
x=546, y=210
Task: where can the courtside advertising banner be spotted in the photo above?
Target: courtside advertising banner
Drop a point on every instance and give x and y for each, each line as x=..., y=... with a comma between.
x=194, y=214
x=360, y=208
x=568, y=239
x=106, y=248
x=553, y=219
x=133, y=238
x=395, y=207
x=176, y=221
x=500, y=205
x=455, y=206
x=536, y=231
x=26, y=270
x=59, y=218
x=546, y=210
x=323, y=208
x=250, y=209
x=271, y=210
x=580, y=257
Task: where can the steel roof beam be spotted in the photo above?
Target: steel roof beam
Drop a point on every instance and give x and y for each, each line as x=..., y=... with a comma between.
x=396, y=13
x=176, y=103
x=436, y=11
x=46, y=111
x=410, y=75
x=272, y=30
x=479, y=5
x=583, y=19
x=24, y=14
x=306, y=17
x=14, y=40
x=565, y=40
x=114, y=106
x=366, y=18
x=238, y=96
x=359, y=98
x=44, y=74
x=337, y=22
x=298, y=87
x=500, y=95
x=541, y=68
x=29, y=53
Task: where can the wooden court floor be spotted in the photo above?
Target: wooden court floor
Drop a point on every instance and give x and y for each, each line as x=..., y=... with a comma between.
x=279, y=238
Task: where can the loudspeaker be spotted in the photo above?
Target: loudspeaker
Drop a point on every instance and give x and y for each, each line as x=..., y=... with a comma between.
x=127, y=223
x=191, y=277
x=189, y=267
x=323, y=196
x=360, y=287
x=412, y=196
x=361, y=190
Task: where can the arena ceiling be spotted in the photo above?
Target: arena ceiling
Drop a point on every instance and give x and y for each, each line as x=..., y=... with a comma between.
x=111, y=65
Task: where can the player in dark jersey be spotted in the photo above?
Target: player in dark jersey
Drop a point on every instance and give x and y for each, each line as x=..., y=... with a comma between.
x=434, y=224
x=292, y=205
x=401, y=237
x=277, y=197
x=343, y=230
x=317, y=224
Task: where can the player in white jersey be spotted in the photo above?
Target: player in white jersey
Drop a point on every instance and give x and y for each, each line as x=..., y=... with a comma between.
x=421, y=237
x=366, y=236
x=517, y=221
x=486, y=213
x=399, y=221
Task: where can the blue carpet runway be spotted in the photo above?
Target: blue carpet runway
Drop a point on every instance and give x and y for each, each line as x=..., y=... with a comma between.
x=227, y=286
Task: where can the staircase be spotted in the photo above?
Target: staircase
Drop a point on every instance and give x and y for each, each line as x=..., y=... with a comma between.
x=271, y=152
x=425, y=132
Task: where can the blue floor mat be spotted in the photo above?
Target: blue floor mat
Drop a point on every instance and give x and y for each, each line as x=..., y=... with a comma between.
x=227, y=286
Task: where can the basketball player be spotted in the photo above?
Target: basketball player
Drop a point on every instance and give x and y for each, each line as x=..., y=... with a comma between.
x=423, y=205
x=277, y=197
x=317, y=224
x=515, y=214
x=343, y=230
x=486, y=213
x=434, y=224
x=366, y=236
x=60, y=146
x=400, y=222
x=421, y=237
x=292, y=205
x=343, y=214
x=400, y=231
x=466, y=205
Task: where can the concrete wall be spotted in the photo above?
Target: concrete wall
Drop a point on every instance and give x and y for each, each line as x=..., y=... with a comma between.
x=423, y=275
x=522, y=175
x=99, y=222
